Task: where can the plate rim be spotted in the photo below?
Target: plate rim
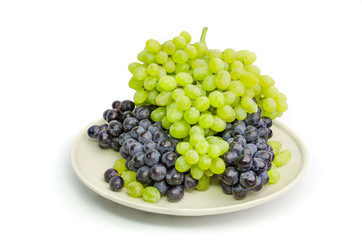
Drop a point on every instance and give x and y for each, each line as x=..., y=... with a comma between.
x=153, y=208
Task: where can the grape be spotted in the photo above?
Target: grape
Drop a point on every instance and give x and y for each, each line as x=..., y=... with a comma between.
x=282, y=158
x=116, y=183
x=204, y=183
x=183, y=103
x=216, y=99
x=276, y=146
x=179, y=42
x=135, y=189
x=222, y=80
x=120, y=166
x=93, y=131
x=128, y=177
x=217, y=166
x=206, y=120
x=175, y=193
x=182, y=165
x=196, y=172
x=204, y=162
x=191, y=156
x=180, y=129
x=180, y=56
x=192, y=115
x=274, y=175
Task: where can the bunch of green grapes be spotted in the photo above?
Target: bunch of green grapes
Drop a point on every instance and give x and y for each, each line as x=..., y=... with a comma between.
x=194, y=85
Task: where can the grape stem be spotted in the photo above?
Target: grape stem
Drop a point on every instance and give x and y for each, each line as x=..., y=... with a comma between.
x=203, y=35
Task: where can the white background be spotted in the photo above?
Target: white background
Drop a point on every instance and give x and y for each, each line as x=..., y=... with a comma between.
x=62, y=63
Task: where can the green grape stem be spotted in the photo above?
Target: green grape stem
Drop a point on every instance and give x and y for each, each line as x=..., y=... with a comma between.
x=203, y=35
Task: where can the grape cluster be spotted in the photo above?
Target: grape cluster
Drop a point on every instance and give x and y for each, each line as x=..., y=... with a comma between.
x=194, y=85
x=249, y=157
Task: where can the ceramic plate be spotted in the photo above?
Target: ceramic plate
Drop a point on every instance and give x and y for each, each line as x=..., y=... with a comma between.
x=90, y=162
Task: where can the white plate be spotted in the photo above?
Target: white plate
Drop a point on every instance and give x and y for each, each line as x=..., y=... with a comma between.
x=89, y=163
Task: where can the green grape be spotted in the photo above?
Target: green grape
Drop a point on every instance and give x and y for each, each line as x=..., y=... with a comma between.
x=196, y=129
x=218, y=124
x=180, y=56
x=206, y=120
x=226, y=67
x=276, y=146
x=216, y=99
x=192, y=115
x=158, y=114
x=141, y=56
x=229, y=97
x=164, y=98
x=162, y=72
x=214, y=53
x=196, y=172
x=192, y=156
x=204, y=183
x=196, y=138
x=187, y=36
x=216, y=65
x=202, y=146
x=270, y=92
x=153, y=46
x=191, y=51
x=212, y=140
x=282, y=105
x=249, y=92
x=174, y=115
x=253, y=69
x=128, y=177
x=201, y=73
x=281, y=97
x=214, y=150
x=140, y=73
x=161, y=57
x=179, y=41
x=165, y=123
x=183, y=147
x=256, y=89
x=271, y=115
x=153, y=70
x=150, y=83
x=209, y=83
x=182, y=67
x=192, y=91
x=240, y=112
x=249, y=104
x=151, y=194
x=226, y=112
x=282, y=158
x=199, y=63
x=201, y=48
x=135, y=189
x=178, y=92
x=217, y=165
x=266, y=81
x=140, y=96
x=180, y=129
x=223, y=145
x=135, y=84
x=269, y=104
x=274, y=176
x=183, y=102
x=202, y=103
x=169, y=66
x=249, y=79
x=184, y=79
x=148, y=57
x=235, y=74
x=222, y=80
x=168, y=83
x=204, y=162
x=133, y=66
x=237, y=64
x=169, y=47
x=246, y=57
x=229, y=55
x=181, y=165
x=120, y=166
x=152, y=95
